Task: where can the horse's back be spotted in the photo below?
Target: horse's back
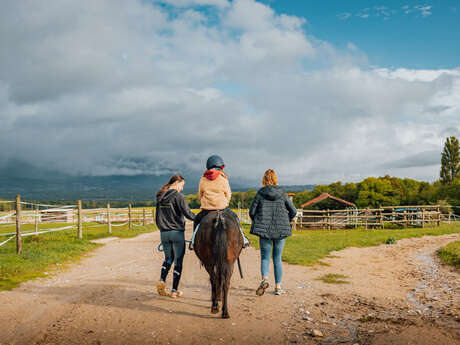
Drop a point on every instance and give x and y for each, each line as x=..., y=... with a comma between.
x=210, y=225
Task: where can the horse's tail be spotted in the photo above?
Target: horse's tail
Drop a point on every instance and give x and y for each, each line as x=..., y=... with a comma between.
x=220, y=252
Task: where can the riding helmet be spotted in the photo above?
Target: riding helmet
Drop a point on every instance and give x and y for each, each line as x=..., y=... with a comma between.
x=214, y=162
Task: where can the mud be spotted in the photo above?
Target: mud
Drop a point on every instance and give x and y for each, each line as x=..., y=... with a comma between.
x=396, y=294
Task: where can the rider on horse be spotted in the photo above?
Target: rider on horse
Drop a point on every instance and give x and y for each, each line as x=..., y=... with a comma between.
x=214, y=193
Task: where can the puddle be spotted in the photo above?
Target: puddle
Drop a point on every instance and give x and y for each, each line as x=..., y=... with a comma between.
x=431, y=287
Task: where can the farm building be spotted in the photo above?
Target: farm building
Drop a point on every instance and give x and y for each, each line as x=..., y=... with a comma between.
x=320, y=219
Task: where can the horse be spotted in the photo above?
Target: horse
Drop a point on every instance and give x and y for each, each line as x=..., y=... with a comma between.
x=218, y=245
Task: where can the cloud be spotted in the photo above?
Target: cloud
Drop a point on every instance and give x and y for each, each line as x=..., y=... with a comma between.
x=386, y=12
x=421, y=159
x=425, y=11
x=192, y=3
x=116, y=87
x=344, y=15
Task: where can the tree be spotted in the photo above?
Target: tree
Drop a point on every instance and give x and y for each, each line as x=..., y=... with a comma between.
x=450, y=161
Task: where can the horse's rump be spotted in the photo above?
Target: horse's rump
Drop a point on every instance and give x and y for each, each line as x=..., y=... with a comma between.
x=218, y=244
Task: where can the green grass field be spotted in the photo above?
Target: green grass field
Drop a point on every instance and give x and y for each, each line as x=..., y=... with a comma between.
x=450, y=254
x=44, y=253
x=308, y=247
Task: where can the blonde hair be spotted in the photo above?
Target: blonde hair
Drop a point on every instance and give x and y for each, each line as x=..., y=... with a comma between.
x=270, y=178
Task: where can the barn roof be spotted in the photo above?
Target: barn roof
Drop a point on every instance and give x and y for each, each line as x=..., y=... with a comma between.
x=326, y=196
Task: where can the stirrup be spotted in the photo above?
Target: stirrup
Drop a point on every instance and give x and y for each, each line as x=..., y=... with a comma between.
x=190, y=246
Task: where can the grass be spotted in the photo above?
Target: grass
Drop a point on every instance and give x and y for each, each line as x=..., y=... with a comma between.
x=450, y=254
x=43, y=254
x=333, y=278
x=308, y=247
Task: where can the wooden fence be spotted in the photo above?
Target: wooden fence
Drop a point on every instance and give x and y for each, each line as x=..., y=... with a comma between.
x=72, y=217
x=368, y=218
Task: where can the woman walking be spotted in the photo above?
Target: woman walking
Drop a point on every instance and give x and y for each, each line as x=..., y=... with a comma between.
x=171, y=209
x=271, y=213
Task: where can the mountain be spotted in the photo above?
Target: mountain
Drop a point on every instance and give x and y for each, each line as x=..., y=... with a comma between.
x=40, y=184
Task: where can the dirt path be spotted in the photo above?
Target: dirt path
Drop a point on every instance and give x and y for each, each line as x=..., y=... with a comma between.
x=397, y=294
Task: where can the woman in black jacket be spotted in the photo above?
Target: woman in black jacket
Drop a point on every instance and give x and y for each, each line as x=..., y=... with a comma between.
x=171, y=209
x=271, y=213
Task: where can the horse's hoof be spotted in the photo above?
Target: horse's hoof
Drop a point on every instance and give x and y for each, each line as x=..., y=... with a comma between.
x=214, y=310
x=226, y=316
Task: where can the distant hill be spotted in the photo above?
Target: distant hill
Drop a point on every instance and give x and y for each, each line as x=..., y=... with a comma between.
x=40, y=184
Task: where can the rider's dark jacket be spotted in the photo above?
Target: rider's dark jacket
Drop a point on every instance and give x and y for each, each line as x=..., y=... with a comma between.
x=171, y=209
x=271, y=213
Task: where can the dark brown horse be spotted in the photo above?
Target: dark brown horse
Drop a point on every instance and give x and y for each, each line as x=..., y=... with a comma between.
x=218, y=245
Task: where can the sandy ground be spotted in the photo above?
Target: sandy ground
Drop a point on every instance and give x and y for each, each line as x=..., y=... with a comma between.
x=397, y=294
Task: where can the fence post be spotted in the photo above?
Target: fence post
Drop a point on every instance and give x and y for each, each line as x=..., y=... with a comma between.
x=109, y=223
x=37, y=214
x=366, y=213
x=80, y=223
x=18, y=225
x=423, y=218
x=382, y=223
x=328, y=220
x=129, y=217
x=143, y=217
x=153, y=214
x=323, y=226
x=439, y=216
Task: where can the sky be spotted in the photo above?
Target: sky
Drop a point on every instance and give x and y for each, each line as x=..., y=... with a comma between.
x=317, y=92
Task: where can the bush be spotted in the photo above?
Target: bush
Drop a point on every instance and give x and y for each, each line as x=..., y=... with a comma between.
x=450, y=254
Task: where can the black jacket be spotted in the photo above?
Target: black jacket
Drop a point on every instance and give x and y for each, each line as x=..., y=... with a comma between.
x=171, y=209
x=272, y=212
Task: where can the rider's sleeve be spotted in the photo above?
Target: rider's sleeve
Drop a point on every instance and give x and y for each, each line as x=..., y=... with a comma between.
x=253, y=209
x=185, y=209
x=200, y=190
x=291, y=208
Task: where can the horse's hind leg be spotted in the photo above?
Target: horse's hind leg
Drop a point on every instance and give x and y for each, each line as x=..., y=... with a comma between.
x=212, y=278
x=225, y=288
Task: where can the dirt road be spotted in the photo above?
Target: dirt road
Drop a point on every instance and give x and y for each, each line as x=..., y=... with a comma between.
x=397, y=294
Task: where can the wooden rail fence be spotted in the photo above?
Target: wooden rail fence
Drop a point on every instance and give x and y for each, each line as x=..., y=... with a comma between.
x=368, y=218
x=73, y=217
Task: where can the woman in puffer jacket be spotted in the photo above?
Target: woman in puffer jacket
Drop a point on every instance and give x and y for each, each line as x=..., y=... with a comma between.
x=271, y=213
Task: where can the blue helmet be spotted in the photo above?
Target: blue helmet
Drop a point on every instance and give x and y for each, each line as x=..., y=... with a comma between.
x=214, y=162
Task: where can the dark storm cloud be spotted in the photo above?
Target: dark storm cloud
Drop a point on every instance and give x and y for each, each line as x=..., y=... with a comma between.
x=418, y=160
x=123, y=87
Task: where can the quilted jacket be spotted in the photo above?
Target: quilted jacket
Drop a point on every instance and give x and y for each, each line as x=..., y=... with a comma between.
x=271, y=213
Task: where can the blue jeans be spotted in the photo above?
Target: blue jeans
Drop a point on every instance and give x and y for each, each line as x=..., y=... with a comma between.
x=265, y=252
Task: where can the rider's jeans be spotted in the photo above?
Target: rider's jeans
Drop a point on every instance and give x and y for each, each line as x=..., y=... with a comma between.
x=266, y=247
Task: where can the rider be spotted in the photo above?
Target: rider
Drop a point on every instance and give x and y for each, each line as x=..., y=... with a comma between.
x=214, y=193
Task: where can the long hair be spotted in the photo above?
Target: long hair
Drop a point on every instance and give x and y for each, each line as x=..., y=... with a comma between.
x=174, y=178
x=270, y=178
